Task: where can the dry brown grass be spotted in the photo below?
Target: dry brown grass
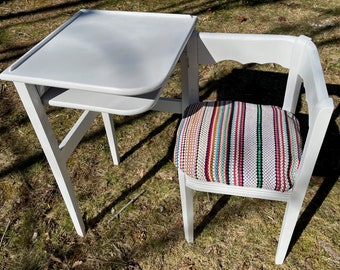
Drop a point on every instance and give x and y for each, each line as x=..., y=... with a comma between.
x=232, y=233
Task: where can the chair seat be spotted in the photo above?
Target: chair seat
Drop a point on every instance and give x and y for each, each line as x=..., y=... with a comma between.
x=240, y=144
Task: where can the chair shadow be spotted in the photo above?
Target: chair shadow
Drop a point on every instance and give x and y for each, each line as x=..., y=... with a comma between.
x=221, y=202
x=268, y=88
x=248, y=85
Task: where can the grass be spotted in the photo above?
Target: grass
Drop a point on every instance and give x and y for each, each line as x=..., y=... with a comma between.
x=231, y=232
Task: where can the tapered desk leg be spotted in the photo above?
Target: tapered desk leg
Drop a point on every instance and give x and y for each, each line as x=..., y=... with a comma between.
x=37, y=115
x=189, y=73
x=111, y=137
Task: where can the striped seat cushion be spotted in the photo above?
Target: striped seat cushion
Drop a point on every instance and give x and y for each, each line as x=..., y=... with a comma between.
x=239, y=144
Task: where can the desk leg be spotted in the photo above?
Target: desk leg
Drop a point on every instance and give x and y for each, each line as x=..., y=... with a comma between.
x=189, y=73
x=111, y=137
x=37, y=115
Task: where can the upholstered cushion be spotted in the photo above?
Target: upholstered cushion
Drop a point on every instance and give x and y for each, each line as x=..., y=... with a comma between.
x=239, y=144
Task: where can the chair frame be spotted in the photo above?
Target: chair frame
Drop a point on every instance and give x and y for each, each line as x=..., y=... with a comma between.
x=300, y=56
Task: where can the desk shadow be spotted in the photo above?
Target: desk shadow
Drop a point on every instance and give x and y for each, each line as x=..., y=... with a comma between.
x=153, y=133
x=91, y=223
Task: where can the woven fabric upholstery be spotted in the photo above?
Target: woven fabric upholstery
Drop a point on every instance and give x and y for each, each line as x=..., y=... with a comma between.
x=239, y=144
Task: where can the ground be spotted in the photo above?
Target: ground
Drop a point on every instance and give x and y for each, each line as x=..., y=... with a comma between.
x=231, y=233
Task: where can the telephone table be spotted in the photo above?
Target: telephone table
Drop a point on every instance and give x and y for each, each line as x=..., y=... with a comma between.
x=107, y=62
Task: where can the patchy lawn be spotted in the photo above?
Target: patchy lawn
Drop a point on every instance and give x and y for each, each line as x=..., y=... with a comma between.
x=36, y=231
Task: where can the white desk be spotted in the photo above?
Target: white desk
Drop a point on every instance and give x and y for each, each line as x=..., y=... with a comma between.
x=102, y=62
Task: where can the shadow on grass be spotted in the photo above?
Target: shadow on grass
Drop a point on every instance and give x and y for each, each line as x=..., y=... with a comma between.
x=91, y=223
x=197, y=7
x=15, y=52
x=222, y=201
x=8, y=134
x=12, y=52
x=25, y=163
x=58, y=7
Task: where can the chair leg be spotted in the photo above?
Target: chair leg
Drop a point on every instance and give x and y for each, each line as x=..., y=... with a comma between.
x=187, y=208
x=288, y=224
x=111, y=136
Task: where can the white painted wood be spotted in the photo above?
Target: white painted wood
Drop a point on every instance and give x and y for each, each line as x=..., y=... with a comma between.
x=245, y=48
x=123, y=53
x=100, y=102
x=109, y=103
x=300, y=55
x=220, y=188
x=36, y=113
x=77, y=132
x=187, y=202
x=189, y=73
x=172, y=105
x=294, y=81
x=288, y=224
x=111, y=137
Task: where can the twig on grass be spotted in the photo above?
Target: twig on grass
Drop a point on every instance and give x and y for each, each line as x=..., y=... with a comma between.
x=126, y=205
x=3, y=235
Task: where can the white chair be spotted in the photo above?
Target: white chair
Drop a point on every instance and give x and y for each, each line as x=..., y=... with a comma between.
x=253, y=150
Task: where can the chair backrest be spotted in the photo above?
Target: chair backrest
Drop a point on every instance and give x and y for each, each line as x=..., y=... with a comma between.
x=245, y=48
x=300, y=56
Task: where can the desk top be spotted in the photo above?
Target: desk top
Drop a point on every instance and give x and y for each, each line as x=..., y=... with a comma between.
x=123, y=53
